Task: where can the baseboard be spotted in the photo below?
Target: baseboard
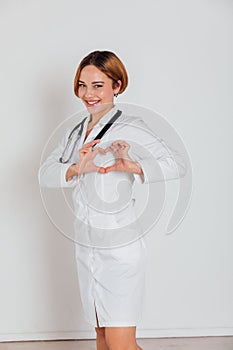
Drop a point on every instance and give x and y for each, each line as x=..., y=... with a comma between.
x=185, y=332
x=141, y=333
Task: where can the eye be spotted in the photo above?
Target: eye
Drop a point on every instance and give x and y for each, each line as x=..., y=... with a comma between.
x=98, y=86
x=81, y=85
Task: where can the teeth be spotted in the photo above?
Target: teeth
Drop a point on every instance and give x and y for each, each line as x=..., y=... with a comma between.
x=92, y=103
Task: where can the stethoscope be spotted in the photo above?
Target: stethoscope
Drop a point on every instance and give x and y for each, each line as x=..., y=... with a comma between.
x=72, y=142
x=69, y=148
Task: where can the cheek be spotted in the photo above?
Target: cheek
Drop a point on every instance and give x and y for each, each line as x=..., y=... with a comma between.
x=80, y=93
x=106, y=93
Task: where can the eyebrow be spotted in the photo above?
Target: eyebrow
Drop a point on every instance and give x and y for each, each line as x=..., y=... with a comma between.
x=94, y=82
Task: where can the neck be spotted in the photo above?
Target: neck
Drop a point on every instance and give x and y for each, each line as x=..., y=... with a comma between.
x=95, y=117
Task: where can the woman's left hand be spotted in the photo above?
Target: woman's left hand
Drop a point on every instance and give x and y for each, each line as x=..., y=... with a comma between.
x=123, y=161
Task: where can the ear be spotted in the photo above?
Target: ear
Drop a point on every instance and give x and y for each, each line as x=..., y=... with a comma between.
x=117, y=88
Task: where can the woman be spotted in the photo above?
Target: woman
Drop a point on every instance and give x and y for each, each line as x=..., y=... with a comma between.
x=111, y=280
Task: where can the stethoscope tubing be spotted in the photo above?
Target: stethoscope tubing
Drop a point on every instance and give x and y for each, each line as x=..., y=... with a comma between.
x=61, y=160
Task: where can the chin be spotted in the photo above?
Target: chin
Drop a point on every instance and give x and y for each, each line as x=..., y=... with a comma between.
x=99, y=108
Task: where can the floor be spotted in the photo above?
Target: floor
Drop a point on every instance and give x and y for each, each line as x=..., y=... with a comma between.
x=197, y=343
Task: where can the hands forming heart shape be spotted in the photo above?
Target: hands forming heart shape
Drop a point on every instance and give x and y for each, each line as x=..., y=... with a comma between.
x=123, y=161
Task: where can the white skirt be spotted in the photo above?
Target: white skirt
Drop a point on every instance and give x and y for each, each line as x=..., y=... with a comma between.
x=111, y=283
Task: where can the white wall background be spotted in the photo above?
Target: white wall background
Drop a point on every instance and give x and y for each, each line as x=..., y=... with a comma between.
x=179, y=56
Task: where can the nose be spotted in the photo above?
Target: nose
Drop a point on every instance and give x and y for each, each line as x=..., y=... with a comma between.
x=89, y=92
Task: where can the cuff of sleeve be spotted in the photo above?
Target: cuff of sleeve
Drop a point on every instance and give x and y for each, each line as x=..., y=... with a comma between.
x=151, y=171
x=72, y=181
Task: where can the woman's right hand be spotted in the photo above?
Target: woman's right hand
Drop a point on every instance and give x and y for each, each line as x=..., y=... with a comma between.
x=87, y=156
x=86, y=161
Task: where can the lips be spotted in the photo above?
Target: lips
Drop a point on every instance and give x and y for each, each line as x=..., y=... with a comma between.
x=92, y=103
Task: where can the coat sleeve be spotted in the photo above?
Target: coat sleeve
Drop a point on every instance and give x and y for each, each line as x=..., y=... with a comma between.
x=52, y=173
x=158, y=161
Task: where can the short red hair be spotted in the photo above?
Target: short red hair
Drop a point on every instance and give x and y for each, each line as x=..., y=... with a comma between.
x=108, y=63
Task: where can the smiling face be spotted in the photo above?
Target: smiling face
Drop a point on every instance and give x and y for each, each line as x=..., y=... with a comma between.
x=96, y=90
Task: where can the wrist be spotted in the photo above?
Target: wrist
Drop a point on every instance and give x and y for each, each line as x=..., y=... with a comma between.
x=134, y=167
x=138, y=168
x=73, y=170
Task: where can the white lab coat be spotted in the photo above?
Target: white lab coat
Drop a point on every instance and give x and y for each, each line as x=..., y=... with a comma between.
x=111, y=273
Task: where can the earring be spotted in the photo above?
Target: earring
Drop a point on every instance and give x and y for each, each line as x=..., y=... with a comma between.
x=116, y=94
